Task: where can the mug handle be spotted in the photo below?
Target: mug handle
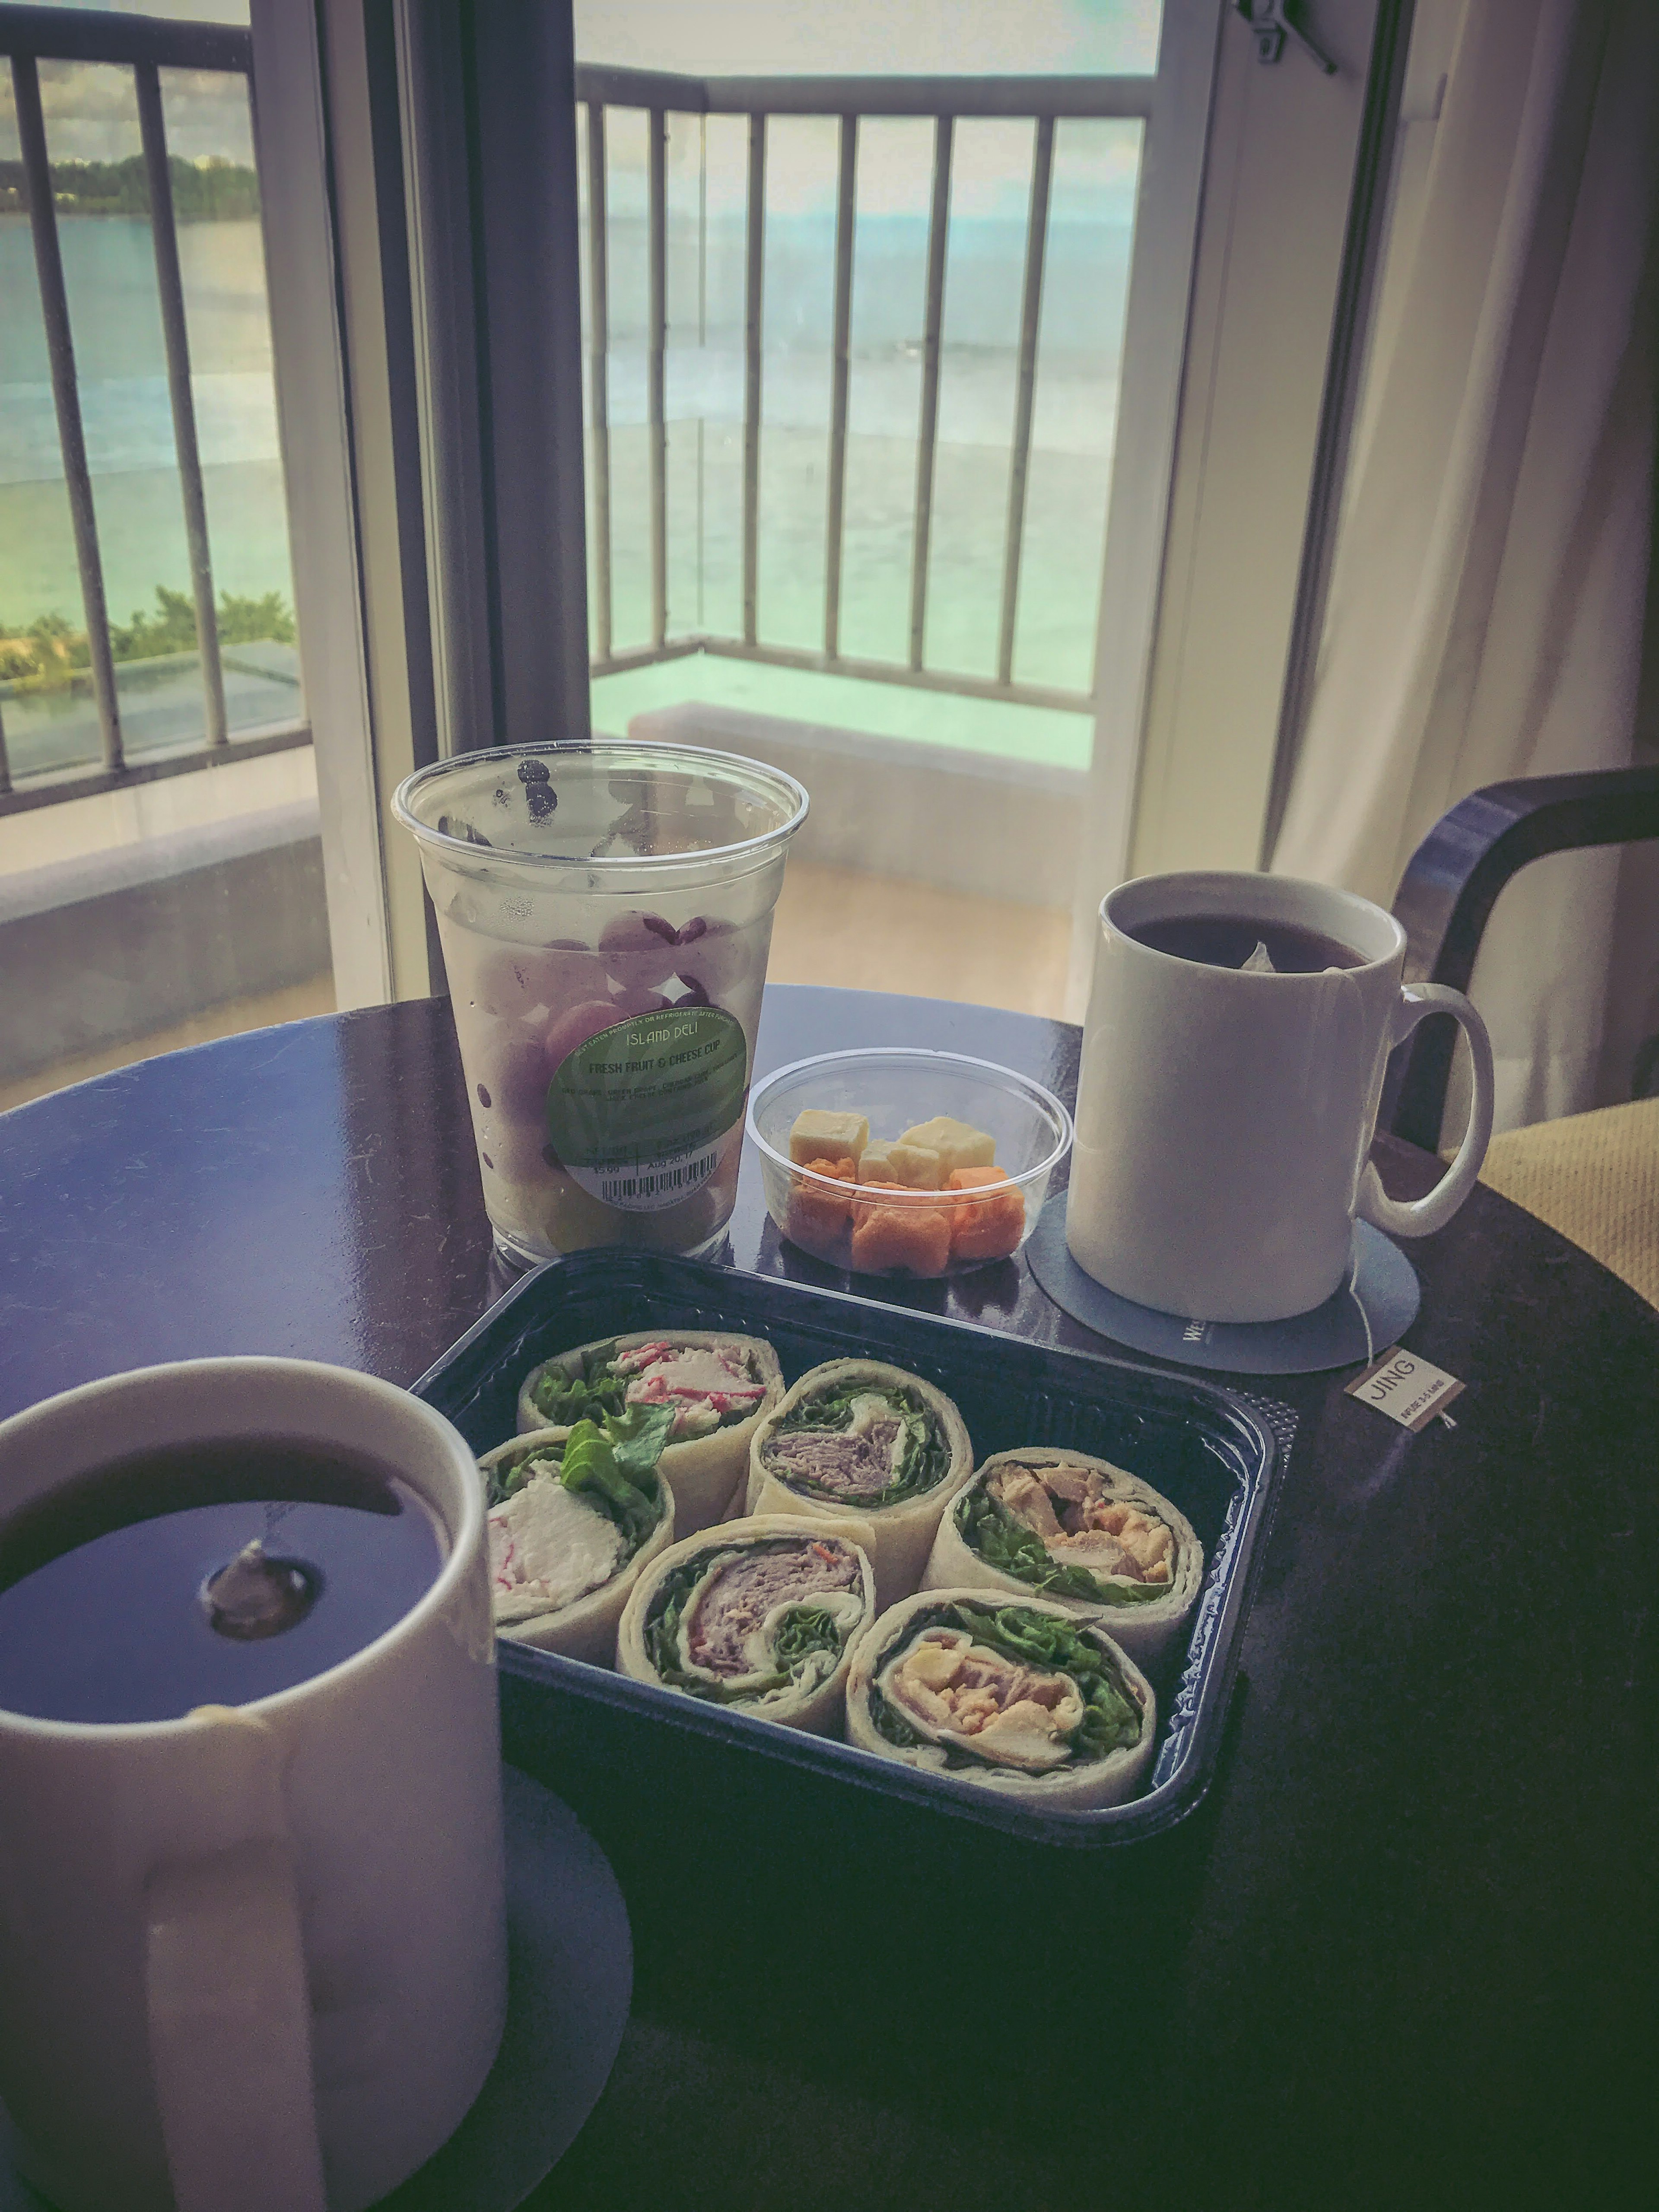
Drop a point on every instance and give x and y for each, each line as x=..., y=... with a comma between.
x=228, y=2008
x=1420, y=1217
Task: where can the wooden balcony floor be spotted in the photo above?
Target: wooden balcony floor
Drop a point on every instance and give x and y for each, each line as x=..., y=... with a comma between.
x=886, y=933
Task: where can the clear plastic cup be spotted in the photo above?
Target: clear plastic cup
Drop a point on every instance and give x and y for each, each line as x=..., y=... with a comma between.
x=605, y=914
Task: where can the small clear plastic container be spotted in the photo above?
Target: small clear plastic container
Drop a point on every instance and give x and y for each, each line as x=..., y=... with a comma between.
x=881, y=1228
x=605, y=913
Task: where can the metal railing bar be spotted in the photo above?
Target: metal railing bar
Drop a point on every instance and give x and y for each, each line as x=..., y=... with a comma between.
x=927, y=427
x=886, y=671
x=846, y=214
x=1036, y=239
x=175, y=339
x=93, y=34
x=5, y=765
x=66, y=397
x=52, y=788
x=1104, y=97
x=754, y=280
x=656, y=371
x=599, y=402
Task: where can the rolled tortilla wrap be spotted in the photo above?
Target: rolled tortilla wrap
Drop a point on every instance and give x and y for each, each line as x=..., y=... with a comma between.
x=703, y=1469
x=1054, y=1524
x=560, y=1569
x=759, y=1615
x=856, y=1438
x=1028, y=1700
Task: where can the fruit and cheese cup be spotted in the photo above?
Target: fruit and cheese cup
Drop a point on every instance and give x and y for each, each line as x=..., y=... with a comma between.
x=896, y=1160
x=605, y=915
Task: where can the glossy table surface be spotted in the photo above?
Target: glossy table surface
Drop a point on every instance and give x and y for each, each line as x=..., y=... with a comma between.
x=1405, y=1952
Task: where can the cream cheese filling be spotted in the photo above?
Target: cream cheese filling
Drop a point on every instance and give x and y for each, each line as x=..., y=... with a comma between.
x=548, y=1548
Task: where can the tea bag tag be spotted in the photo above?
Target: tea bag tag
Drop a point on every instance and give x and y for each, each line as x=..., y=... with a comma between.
x=1407, y=1389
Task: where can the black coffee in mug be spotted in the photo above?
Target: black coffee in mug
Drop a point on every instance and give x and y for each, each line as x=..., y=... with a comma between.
x=204, y=1574
x=1229, y=940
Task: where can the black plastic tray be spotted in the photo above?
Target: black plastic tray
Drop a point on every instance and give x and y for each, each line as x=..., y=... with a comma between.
x=585, y=1729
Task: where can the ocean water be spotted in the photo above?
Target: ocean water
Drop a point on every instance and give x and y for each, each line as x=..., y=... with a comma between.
x=110, y=275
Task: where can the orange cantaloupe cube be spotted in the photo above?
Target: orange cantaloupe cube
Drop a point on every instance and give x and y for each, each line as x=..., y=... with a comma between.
x=815, y=1216
x=990, y=1222
x=900, y=1235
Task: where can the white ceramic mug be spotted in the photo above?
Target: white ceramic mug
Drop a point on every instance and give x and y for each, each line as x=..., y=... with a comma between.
x=256, y=1957
x=1224, y=1117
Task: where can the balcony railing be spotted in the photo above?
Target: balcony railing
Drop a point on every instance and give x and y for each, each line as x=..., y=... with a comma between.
x=850, y=101
x=30, y=35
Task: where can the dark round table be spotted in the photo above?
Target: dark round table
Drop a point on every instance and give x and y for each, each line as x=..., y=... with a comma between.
x=1403, y=1954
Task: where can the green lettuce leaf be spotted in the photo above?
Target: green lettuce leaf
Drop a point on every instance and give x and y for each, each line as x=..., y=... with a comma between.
x=563, y=1400
x=613, y=1465
x=639, y=1437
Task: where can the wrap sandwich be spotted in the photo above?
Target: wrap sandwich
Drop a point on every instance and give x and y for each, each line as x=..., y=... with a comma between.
x=575, y=1515
x=854, y=1437
x=1042, y=1522
x=718, y=1384
x=760, y=1615
x=1029, y=1699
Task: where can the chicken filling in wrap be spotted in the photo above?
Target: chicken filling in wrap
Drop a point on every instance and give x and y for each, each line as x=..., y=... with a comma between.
x=707, y=1386
x=1060, y=1529
x=565, y=1517
x=1007, y=1687
x=857, y=1445
x=739, y=1622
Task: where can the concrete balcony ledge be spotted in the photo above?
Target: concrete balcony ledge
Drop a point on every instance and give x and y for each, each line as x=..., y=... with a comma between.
x=932, y=814
x=116, y=944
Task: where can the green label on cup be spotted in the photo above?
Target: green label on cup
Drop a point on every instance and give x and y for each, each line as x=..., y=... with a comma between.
x=636, y=1115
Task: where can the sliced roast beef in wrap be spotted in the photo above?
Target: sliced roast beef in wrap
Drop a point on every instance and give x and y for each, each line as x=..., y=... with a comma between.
x=856, y=1438
x=574, y=1516
x=719, y=1386
x=1027, y=1698
x=1041, y=1522
x=760, y=1615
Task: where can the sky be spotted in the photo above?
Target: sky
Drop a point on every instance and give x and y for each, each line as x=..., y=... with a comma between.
x=900, y=37
x=908, y=37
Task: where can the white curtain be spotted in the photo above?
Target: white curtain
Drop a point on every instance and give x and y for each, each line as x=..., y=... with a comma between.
x=1488, y=593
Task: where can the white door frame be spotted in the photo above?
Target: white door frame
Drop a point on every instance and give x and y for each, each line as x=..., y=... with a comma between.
x=1240, y=253
x=1150, y=395
x=291, y=150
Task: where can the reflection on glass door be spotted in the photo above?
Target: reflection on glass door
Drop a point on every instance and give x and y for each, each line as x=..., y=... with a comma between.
x=160, y=871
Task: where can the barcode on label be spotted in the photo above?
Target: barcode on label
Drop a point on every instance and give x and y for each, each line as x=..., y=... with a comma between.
x=617, y=1190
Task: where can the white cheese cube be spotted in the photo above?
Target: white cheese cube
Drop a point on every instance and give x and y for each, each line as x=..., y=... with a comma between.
x=915, y=1165
x=956, y=1143
x=817, y=1135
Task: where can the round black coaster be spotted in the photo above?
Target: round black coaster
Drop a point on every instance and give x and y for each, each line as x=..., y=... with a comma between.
x=1368, y=1314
